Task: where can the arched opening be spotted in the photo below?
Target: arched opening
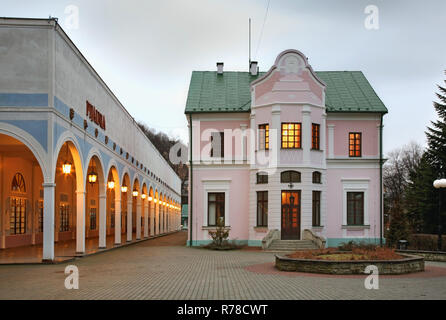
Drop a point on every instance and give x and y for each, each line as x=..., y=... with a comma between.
x=126, y=193
x=157, y=212
x=151, y=212
x=21, y=194
x=95, y=204
x=161, y=213
x=145, y=213
x=136, y=211
x=65, y=213
x=113, y=221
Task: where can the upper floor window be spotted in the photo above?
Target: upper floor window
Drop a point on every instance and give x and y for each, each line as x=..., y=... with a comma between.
x=218, y=144
x=291, y=135
x=264, y=137
x=290, y=176
x=354, y=144
x=317, y=177
x=355, y=208
x=262, y=177
x=315, y=136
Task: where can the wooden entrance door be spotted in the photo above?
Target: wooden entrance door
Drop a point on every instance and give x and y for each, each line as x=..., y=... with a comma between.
x=290, y=215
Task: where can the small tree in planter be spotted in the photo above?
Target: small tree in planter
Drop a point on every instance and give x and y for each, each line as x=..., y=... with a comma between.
x=220, y=235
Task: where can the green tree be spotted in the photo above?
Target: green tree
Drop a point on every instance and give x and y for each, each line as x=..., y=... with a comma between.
x=422, y=197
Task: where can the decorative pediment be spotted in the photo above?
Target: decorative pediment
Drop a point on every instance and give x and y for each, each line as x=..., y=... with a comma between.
x=291, y=80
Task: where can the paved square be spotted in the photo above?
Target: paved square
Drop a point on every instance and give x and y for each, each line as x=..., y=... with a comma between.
x=164, y=268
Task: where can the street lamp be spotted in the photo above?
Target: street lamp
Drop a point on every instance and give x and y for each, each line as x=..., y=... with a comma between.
x=439, y=184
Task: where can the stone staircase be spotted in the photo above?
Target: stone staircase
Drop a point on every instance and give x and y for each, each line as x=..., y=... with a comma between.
x=291, y=245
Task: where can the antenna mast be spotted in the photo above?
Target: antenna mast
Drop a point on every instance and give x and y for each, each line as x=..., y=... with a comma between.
x=249, y=43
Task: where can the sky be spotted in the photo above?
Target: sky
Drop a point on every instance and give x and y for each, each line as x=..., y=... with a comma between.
x=146, y=50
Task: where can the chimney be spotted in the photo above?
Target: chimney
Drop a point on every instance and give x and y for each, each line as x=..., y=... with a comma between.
x=219, y=67
x=253, y=68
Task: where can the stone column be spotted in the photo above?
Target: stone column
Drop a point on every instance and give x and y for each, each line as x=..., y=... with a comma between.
x=102, y=221
x=48, y=221
x=138, y=217
x=80, y=221
x=117, y=218
x=129, y=217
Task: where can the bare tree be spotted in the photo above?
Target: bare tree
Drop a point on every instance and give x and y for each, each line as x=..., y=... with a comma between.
x=396, y=179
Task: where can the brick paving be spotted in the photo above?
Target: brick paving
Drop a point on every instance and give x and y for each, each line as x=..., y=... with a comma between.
x=163, y=268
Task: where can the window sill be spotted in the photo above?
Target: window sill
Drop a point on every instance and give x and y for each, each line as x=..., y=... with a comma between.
x=317, y=227
x=213, y=227
x=358, y=227
x=261, y=229
x=318, y=150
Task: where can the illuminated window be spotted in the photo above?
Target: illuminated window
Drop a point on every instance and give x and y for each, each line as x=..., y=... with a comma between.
x=262, y=208
x=354, y=144
x=17, y=217
x=291, y=135
x=217, y=144
x=317, y=177
x=64, y=218
x=290, y=177
x=315, y=136
x=264, y=137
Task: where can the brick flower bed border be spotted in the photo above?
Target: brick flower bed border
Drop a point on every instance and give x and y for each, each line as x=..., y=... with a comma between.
x=409, y=264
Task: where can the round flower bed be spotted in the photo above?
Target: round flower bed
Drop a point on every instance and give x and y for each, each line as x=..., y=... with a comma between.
x=334, y=261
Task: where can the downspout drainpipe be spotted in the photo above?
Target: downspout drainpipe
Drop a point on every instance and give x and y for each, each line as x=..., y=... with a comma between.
x=381, y=182
x=191, y=185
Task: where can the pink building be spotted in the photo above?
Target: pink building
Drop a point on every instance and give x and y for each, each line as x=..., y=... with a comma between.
x=290, y=154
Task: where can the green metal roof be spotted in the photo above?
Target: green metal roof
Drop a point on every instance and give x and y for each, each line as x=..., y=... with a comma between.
x=346, y=91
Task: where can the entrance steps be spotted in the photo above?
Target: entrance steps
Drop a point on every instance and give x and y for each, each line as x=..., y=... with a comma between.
x=291, y=245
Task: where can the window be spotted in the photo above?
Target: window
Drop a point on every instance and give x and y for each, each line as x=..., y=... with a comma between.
x=18, y=183
x=355, y=208
x=40, y=212
x=64, y=218
x=316, y=208
x=92, y=218
x=290, y=177
x=264, y=137
x=317, y=177
x=262, y=177
x=216, y=207
x=17, y=218
x=354, y=144
x=262, y=208
x=315, y=136
x=291, y=135
x=217, y=144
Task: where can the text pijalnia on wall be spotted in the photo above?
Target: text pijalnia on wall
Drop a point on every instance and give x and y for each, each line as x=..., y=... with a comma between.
x=95, y=115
